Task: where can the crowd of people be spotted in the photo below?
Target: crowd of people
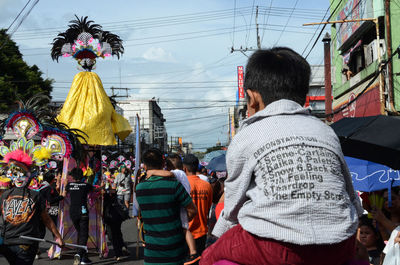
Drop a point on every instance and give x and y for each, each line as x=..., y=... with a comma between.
x=286, y=197
x=38, y=203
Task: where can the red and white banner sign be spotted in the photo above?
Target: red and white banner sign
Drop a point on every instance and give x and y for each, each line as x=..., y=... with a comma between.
x=367, y=104
x=240, y=82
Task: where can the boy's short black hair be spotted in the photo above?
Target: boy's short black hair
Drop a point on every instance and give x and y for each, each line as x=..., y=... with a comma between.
x=174, y=161
x=278, y=73
x=76, y=173
x=191, y=162
x=153, y=159
x=49, y=176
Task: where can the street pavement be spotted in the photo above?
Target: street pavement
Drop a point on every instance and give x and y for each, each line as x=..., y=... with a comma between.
x=129, y=232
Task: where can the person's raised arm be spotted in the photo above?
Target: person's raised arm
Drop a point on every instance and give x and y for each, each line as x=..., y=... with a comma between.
x=384, y=223
x=159, y=172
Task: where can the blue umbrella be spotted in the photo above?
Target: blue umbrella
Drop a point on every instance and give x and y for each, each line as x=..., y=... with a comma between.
x=207, y=158
x=217, y=163
x=369, y=176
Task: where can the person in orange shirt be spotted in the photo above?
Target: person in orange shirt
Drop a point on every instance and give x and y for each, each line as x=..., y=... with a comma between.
x=201, y=193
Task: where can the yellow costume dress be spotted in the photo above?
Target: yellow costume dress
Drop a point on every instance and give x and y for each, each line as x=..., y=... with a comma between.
x=89, y=109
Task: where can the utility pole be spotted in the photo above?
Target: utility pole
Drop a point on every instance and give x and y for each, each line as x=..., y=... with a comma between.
x=115, y=96
x=328, y=84
x=258, y=36
x=242, y=50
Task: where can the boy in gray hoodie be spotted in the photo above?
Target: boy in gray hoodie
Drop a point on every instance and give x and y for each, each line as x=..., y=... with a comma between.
x=289, y=198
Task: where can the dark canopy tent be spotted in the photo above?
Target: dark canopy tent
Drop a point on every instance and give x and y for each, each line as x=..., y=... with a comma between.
x=374, y=138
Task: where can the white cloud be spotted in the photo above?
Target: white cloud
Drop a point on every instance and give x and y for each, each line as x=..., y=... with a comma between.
x=158, y=55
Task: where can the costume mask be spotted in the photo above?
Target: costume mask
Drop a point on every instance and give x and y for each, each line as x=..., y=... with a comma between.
x=20, y=177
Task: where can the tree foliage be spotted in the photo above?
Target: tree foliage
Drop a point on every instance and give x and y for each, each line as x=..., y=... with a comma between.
x=214, y=148
x=18, y=80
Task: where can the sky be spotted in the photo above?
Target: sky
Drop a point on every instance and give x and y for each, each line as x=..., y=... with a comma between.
x=178, y=52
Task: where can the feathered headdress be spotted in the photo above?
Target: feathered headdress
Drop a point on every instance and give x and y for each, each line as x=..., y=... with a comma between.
x=23, y=124
x=86, y=41
x=24, y=154
x=34, y=117
x=63, y=142
x=28, y=119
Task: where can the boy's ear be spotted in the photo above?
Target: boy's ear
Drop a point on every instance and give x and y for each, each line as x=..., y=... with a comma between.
x=255, y=100
x=251, y=98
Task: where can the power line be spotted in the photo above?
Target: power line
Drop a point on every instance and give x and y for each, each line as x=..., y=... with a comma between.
x=208, y=131
x=161, y=22
x=166, y=88
x=188, y=38
x=316, y=30
x=20, y=12
x=320, y=33
x=141, y=83
x=196, y=100
x=19, y=24
x=251, y=20
x=24, y=17
x=266, y=21
x=184, y=17
x=183, y=100
x=234, y=23
x=187, y=108
x=152, y=20
x=287, y=22
x=145, y=25
x=195, y=119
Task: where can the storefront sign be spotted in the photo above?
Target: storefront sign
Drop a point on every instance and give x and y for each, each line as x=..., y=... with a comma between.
x=354, y=9
x=240, y=82
x=368, y=104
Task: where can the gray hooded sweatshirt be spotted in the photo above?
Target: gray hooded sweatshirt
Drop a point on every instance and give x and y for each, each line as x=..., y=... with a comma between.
x=288, y=180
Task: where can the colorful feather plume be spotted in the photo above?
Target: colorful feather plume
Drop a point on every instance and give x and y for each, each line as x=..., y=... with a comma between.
x=88, y=172
x=19, y=156
x=86, y=41
x=41, y=154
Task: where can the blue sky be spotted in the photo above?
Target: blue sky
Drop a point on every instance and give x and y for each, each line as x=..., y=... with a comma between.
x=175, y=51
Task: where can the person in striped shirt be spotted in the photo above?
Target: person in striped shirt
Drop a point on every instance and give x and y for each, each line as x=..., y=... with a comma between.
x=159, y=201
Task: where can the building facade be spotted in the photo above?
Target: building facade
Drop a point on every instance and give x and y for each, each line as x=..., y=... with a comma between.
x=358, y=48
x=152, y=123
x=316, y=95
